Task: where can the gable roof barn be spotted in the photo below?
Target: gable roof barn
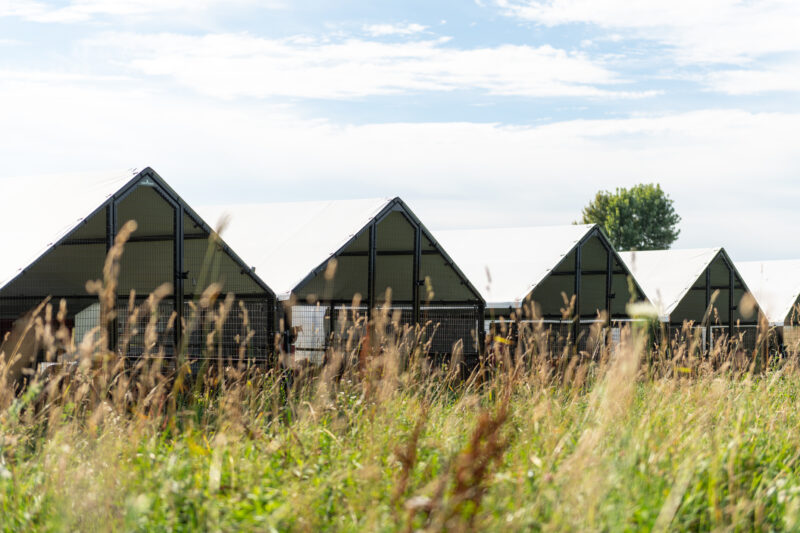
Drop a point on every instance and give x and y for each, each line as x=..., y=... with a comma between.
x=382, y=254
x=57, y=230
x=515, y=265
x=667, y=276
x=685, y=285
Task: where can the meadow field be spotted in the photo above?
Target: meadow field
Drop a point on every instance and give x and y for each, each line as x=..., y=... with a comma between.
x=384, y=441
x=383, y=438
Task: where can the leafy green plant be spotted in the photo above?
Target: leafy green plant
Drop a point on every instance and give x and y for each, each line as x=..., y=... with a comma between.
x=640, y=218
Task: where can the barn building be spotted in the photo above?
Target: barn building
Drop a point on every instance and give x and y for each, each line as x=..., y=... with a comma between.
x=698, y=286
x=334, y=262
x=567, y=278
x=58, y=229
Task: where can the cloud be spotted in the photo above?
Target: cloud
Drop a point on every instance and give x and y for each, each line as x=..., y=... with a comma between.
x=743, y=81
x=732, y=173
x=84, y=10
x=49, y=77
x=711, y=31
x=241, y=65
x=21, y=8
x=382, y=30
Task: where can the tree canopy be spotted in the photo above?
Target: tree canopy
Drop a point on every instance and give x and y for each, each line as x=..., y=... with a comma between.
x=639, y=218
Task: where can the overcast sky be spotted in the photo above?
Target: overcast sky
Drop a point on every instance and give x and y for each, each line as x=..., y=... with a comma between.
x=478, y=113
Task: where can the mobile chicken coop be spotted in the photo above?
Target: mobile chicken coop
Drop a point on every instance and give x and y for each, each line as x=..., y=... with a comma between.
x=565, y=279
x=334, y=263
x=700, y=288
x=776, y=287
x=57, y=231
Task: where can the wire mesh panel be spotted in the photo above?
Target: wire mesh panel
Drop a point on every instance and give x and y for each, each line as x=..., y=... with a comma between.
x=791, y=339
x=615, y=337
x=260, y=315
x=395, y=319
x=349, y=326
x=86, y=322
x=311, y=325
x=315, y=329
x=559, y=337
x=547, y=338
x=448, y=325
x=590, y=337
x=246, y=331
x=554, y=338
x=745, y=338
x=689, y=336
x=146, y=330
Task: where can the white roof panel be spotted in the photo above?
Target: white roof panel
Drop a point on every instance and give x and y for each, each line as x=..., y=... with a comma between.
x=517, y=259
x=775, y=285
x=38, y=211
x=286, y=241
x=666, y=276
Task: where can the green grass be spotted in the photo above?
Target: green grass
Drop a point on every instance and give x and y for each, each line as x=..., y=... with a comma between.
x=515, y=451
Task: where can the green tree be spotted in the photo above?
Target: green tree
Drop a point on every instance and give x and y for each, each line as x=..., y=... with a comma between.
x=639, y=218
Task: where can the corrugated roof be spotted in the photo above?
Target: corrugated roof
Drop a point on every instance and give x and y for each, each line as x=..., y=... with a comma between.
x=285, y=242
x=666, y=276
x=517, y=259
x=775, y=285
x=38, y=211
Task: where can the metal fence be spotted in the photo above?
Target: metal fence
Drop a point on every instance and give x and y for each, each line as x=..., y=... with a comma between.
x=555, y=338
x=317, y=328
x=246, y=331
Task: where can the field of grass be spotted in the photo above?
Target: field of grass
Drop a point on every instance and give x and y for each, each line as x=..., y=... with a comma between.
x=392, y=444
x=380, y=439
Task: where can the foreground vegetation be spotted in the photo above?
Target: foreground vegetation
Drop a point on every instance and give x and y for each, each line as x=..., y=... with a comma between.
x=385, y=446
x=380, y=439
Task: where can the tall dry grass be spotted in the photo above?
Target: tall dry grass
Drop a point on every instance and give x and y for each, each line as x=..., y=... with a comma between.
x=382, y=437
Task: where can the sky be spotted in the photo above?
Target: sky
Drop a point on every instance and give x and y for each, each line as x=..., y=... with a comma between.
x=478, y=113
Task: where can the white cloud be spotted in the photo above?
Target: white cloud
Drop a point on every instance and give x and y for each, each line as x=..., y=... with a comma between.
x=743, y=81
x=84, y=10
x=21, y=8
x=710, y=31
x=49, y=77
x=381, y=30
x=234, y=65
x=733, y=174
